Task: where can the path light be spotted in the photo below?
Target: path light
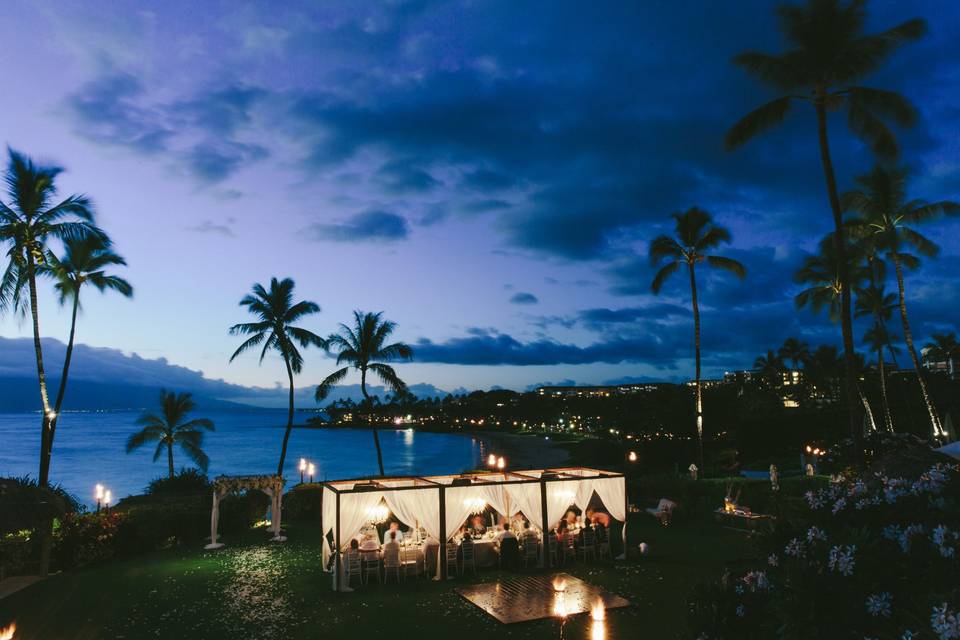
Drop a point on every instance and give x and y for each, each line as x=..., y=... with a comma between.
x=311, y=469
x=632, y=456
x=491, y=460
x=303, y=467
x=107, y=498
x=98, y=494
x=501, y=463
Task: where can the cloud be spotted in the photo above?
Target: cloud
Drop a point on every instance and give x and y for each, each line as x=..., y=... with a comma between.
x=521, y=297
x=209, y=226
x=400, y=176
x=373, y=225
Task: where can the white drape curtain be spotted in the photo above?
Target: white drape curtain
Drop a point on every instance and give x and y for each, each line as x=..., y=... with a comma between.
x=561, y=494
x=328, y=520
x=526, y=497
x=459, y=506
x=355, y=511
x=416, y=505
x=613, y=493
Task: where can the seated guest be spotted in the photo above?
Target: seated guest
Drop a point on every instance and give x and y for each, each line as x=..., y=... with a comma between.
x=528, y=535
x=598, y=517
x=395, y=530
x=562, y=530
x=509, y=550
x=506, y=533
x=477, y=524
x=571, y=518
x=391, y=549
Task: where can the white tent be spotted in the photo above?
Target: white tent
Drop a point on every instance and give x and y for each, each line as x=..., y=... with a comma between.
x=440, y=504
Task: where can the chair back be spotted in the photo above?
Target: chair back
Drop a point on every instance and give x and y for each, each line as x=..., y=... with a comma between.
x=509, y=551
x=589, y=537
x=353, y=561
x=391, y=555
x=466, y=547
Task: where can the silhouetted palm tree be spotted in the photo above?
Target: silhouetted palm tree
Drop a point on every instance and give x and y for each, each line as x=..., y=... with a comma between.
x=274, y=330
x=28, y=221
x=795, y=350
x=946, y=348
x=84, y=261
x=770, y=367
x=363, y=347
x=884, y=212
x=878, y=339
x=820, y=272
x=828, y=55
x=695, y=236
x=171, y=427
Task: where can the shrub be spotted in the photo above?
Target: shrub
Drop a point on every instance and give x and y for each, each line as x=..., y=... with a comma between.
x=83, y=539
x=185, y=481
x=302, y=503
x=24, y=505
x=871, y=557
x=15, y=551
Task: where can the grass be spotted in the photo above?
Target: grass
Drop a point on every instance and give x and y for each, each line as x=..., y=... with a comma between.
x=254, y=589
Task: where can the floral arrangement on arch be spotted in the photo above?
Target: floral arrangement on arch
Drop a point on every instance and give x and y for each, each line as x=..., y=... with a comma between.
x=872, y=557
x=234, y=484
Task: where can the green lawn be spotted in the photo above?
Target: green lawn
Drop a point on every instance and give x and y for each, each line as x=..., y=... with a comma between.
x=254, y=589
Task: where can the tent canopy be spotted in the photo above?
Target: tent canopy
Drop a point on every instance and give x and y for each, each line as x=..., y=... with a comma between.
x=441, y=504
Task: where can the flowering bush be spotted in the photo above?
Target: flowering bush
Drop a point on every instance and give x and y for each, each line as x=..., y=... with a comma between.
x=83, y=539
x=871, y=557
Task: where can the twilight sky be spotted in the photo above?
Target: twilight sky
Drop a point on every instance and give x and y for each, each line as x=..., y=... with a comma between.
x=487, y=173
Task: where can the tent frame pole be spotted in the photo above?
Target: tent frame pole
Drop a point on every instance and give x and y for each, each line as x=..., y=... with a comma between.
x=336, y=550
x=443, y=534
x=545, y=543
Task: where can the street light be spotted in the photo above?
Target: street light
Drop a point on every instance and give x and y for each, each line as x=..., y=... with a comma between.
x=311, y=469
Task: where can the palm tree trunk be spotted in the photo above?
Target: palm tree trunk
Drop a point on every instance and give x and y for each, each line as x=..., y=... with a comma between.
x=63, y=380
x=286, y=435
x=41, y=373
x=170, y=459
x=376, y=433
x=887, y=418
x=696, y=349
x=908, y=338
x=868, y=410
x=840, y=243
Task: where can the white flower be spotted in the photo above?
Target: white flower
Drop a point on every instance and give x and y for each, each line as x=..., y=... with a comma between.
x=908, y=635
x=842, y=559
x=839, y=505
x=773, y=560
x=878, y=604
x=741, y=611
x=756, y=581
x=945, y=539
x=794, y=548
x=904, y=538
x=945, y=623
x=815, y=533
x=738, y=589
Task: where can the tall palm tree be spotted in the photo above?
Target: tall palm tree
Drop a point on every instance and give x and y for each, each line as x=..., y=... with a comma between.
x=946, y=348
x=695, y=235
x=28, y=221
x=883, y=212
x=770, y=367
x=84, y=261
x=795, y=350
x=363, y=347
x=828, y=54
x=276, y=313
x=820, y=273
x=878, y=339
x=170, y=427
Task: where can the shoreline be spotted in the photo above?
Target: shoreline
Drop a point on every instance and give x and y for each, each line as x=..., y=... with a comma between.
x=522, y=451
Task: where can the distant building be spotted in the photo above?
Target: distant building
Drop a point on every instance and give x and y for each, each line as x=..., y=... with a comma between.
x=599, y=391
x=738, y=377
x=937, y=365
x=709, y=383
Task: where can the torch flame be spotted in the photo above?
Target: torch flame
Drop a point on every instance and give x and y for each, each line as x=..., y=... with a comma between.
x=559, y=584
x=598, y=612
x=6, y=633
x=560, y=605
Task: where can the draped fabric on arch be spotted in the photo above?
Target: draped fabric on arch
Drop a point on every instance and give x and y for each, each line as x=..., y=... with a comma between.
x=613, y=493
x=460, y=503
x=328, y=520
x=560, y=496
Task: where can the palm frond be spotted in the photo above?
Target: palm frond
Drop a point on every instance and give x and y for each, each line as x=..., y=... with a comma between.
x=332, y=380
x=665, y=272
x=757, y=121
x=728, y=264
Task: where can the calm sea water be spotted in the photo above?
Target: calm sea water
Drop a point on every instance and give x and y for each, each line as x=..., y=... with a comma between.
x=89, y=449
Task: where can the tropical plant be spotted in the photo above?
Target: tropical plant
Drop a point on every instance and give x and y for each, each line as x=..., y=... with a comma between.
x=695, y=235
x=28, y=222
x=828, y=54
x=770, y=367
x=364, y=347
x=944, y=347
x=795, y=350
x=84, y=261
x=171, y=427
x=883, y=212
x=820, y=272
x=274, y=330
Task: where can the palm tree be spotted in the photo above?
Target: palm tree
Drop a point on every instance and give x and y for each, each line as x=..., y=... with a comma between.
x=695, y=236
x=883, y=212
x=171, y=427
x=276, y=313
x=795, y=350
x=820, y=272
x=828, y=55
x=878, y=339
x=363, y=347
x=84, y=262
x=770, y=367
x=27, y=223
x=944, y=347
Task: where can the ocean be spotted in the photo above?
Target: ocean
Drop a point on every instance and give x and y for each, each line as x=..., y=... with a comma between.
x=89, y=448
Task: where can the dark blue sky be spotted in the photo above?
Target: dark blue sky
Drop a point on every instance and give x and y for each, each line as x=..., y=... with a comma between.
x=487, y=173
